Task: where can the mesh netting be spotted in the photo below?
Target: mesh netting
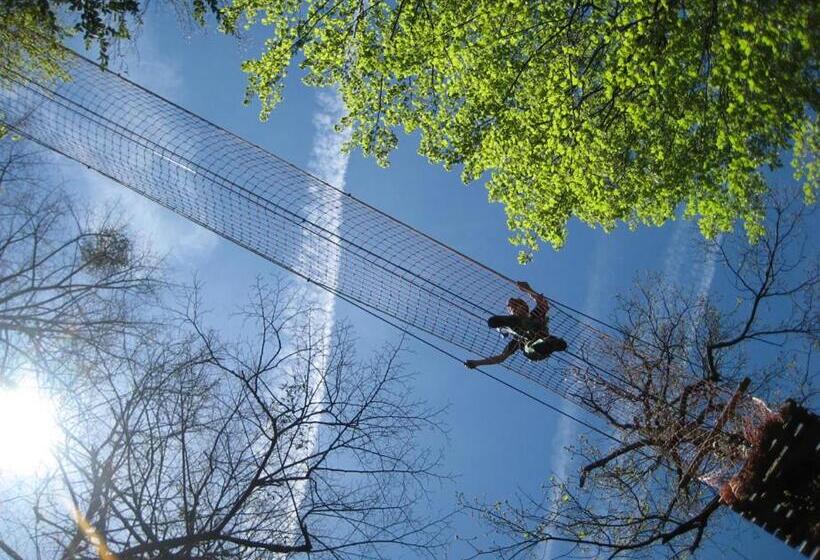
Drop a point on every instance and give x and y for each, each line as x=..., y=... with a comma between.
x=263, y=203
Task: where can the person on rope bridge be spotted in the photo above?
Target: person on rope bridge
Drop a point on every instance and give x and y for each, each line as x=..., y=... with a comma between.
x=529, y=330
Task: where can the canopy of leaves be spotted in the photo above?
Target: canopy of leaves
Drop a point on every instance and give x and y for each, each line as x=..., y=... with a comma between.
x=620, y=110
x=29, y=38
x=31, y=30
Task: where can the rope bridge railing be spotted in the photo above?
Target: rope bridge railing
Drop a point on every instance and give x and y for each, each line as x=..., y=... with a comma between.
x=269, y=206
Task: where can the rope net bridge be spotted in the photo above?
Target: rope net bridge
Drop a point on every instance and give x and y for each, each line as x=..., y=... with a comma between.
x=267, y=205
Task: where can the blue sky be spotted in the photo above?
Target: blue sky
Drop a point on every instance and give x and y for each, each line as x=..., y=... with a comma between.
x=499, y=443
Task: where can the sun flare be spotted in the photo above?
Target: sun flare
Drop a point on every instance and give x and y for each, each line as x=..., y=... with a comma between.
x=28, y=429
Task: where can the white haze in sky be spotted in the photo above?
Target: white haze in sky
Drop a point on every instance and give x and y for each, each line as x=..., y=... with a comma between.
x=683, y=260
x=329, y=163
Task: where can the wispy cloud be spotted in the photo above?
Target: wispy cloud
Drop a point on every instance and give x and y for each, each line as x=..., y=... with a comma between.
x=676, y=249
x=685, y=262
x=144, y=62
x=329, y=163
x=707, y=273
x=327, y=160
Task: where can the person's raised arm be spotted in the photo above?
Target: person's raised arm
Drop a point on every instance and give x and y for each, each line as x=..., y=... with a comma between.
x=542, y=304
x=508, y=351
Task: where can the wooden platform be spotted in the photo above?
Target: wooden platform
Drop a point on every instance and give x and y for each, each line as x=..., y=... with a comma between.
x=779, y=488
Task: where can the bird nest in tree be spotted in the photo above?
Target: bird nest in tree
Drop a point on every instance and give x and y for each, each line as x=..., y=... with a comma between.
x=106, y=251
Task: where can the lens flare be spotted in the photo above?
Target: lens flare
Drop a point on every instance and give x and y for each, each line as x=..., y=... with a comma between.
x=28, y=429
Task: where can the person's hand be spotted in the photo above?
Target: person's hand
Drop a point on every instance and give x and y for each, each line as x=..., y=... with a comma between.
x=471, y=364
x=523, y=285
